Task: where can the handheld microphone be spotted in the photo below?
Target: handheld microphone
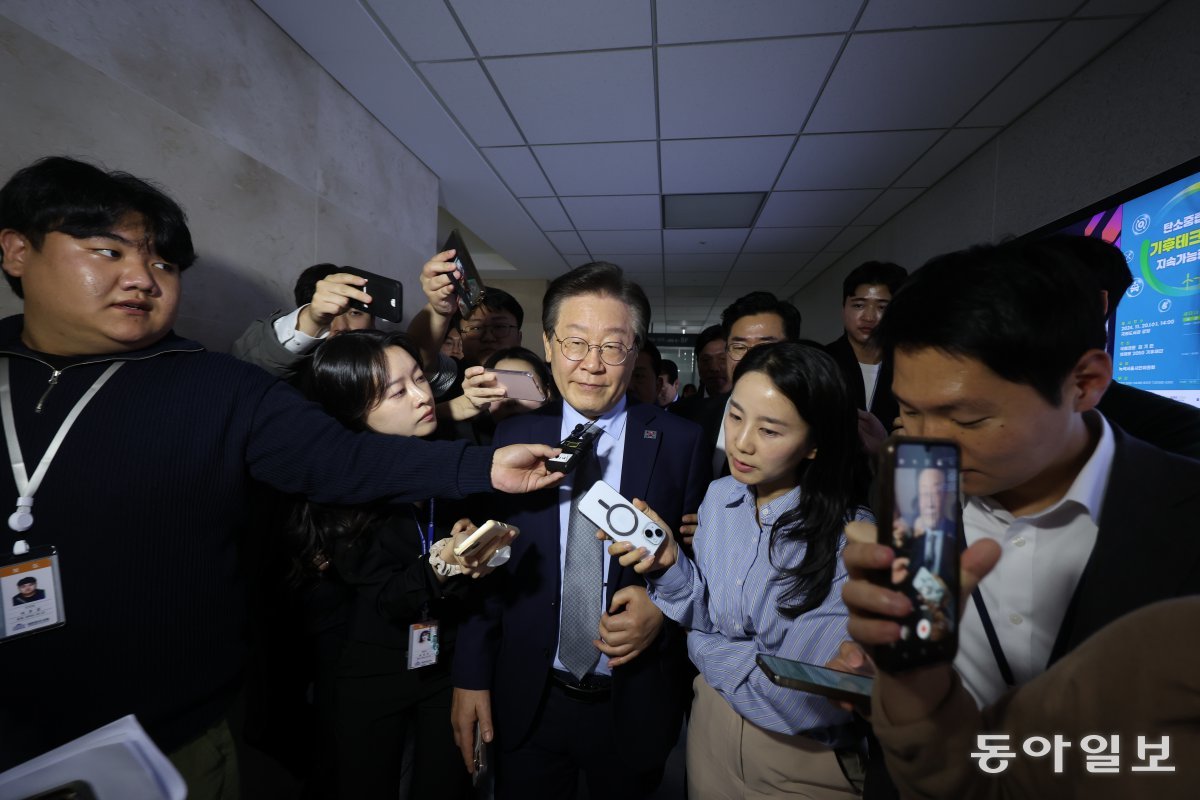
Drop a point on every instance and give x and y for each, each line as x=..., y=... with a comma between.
x=574, y=447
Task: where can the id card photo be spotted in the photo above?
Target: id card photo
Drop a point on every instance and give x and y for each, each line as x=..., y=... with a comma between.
x=31, y=597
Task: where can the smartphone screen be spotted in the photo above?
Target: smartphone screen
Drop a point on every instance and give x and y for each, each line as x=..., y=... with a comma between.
x=816, y=679
x=920, y=517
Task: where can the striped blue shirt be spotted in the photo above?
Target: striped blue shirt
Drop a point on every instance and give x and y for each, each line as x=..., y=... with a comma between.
x=729, y=598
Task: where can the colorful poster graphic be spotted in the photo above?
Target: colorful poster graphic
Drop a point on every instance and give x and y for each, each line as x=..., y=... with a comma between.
x=1157, y=342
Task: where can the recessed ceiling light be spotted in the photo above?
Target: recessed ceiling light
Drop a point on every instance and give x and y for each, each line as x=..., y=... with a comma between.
x=728, y=210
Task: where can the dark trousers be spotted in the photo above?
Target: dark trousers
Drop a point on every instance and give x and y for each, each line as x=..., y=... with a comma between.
x=373, y=716
x=571, y=736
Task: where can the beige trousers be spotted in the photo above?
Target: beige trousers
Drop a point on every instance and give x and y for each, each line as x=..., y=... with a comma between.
x=729, y=758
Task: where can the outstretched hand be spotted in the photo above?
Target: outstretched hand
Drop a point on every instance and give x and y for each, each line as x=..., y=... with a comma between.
x=520, y=468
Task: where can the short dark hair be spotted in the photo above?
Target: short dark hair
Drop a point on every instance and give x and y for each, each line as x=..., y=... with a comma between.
x=872, y=273
x=499, y=300
x=710, y=334
x=62, y=195
x=1104, y=262
x=762, y=303
x=306, y=284
x=656, y=359
x=1026, y=311
x=602, y=278
x=670, y=369
x=27, y=581
x=536, y=363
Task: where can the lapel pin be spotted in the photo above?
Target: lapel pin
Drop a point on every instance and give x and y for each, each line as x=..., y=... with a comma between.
x=649, y=434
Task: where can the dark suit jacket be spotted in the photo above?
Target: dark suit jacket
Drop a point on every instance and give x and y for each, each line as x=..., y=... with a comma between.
x=508, y=646
x=1164, y=423
x=918, y=544
x=1148, y=545
x=883, y=405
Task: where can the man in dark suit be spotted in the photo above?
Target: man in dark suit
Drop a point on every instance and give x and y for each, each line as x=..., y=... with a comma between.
x=866, y=292
x=1001, y=349
x=933, y=538
x=579, y=671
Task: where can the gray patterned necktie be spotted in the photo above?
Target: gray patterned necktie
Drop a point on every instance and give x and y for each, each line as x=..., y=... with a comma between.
x=583, y=579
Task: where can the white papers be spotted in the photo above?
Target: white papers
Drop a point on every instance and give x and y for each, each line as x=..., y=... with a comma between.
x=118, y=762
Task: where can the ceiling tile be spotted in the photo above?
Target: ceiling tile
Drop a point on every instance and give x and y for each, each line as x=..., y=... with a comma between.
x=580, y=97
x=851, y=236
x=613, y=213
x=853, y=160
x=425, y=31
x=742, y=88
x=547, y=213
x=925, y=13
x=723, y=165
x=714, y=278
x=617, y=242
x=711, y=20
x=946, y=155
x=464, y=89
x=723, y=240
x=517, y=168
x=1098, y=8
x=789, y=240
x=568, y=243
x=919, y=79
x=690, y=293
x=756, y=281
x=887, y=205
x=635, y=262
x=553, y=26
x=1071, y=46
x=586, y=169
x=787, y=209
x=773, y=262
x=698, y=262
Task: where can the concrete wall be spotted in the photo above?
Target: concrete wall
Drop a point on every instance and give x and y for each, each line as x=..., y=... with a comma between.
x=1128, y=115
x=276, y=165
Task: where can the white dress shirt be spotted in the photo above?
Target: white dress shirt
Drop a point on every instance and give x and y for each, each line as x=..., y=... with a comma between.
x=1027, y=594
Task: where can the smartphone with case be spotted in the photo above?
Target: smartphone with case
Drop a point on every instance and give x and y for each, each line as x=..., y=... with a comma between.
x=480, y=758
x=918, y=508
x=521, y=385
x=467, y=285
x=387, y=295
x=617, y=517
x=482, y=536
x=831, y=683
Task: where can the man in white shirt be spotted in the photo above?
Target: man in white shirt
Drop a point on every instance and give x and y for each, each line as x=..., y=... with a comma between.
x=1001, y=349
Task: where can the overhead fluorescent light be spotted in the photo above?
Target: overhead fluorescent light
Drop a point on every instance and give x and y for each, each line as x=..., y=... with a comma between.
x=728, y=210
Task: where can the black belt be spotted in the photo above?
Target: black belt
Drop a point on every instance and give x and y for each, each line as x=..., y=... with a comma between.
x=592, y=689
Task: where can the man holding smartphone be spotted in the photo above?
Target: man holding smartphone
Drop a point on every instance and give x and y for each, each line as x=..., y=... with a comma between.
x=1001, y=349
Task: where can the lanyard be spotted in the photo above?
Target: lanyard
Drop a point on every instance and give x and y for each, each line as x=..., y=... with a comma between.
x=427, y=534
x=988, y=628
x=22, y=519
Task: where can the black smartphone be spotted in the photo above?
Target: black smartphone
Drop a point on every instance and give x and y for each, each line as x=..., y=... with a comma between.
x=469, y=287
x=480, y=759
x=831, y=683
x=387, y=295
x=918, y=512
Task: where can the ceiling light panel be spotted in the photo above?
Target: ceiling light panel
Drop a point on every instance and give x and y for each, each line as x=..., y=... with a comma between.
x=736, y=210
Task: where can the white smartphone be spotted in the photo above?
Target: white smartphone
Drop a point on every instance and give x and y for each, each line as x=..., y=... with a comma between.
x=520, y=384
x=617, y=517
x=482, y=536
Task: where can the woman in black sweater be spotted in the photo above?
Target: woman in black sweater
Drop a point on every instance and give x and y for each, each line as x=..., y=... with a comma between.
x=383, y=576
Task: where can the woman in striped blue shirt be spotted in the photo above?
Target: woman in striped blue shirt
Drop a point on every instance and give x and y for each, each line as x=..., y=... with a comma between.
x=766, y=577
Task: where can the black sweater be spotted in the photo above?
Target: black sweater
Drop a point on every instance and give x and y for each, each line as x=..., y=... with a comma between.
x=145, y=502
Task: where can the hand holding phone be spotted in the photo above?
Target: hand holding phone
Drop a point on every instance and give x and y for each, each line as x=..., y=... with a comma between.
x=831, y=683
x=387, y=295
x=467, y=283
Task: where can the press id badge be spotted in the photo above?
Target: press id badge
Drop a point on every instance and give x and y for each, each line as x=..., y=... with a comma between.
x=422, y=644
x=31, y=593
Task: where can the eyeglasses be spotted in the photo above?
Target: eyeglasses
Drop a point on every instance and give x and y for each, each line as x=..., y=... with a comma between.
x=737, y=351
x=498, y=329
x=576, y=349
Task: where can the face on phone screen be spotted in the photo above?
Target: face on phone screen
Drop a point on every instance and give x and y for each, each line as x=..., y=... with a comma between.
x=925, y=532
